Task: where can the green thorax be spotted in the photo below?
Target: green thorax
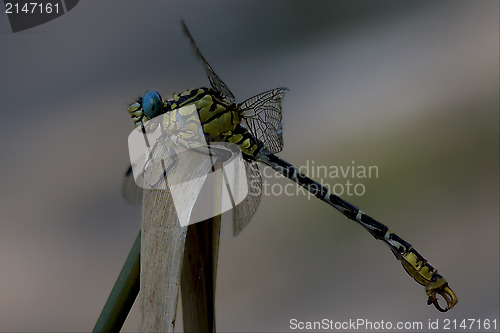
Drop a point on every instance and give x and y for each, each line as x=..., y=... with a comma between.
x=218, y=118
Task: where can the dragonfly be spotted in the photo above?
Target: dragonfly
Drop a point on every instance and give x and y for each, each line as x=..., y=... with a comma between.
x=254, y=125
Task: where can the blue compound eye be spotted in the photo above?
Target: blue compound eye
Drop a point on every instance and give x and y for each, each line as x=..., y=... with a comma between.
x=151, y=104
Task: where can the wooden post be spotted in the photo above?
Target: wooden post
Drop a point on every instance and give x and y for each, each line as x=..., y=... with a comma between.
x=199, y=275
x=164, y=247
x=162, y=251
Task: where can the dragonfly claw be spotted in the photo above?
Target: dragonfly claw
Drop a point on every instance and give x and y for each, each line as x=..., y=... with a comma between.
x=445, y=292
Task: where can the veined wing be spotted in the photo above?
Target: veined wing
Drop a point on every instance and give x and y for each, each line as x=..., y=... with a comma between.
x=262, y=116
x=215, y=81
x=243, y=212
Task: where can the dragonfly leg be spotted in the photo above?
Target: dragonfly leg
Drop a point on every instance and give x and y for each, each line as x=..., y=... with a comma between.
x=213, y=151
x=166, y=170
x=160, y=145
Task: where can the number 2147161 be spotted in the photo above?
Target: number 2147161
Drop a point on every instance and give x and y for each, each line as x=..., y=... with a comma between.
x=32, y=8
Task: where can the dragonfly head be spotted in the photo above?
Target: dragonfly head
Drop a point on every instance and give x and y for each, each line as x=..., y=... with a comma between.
x=147, y=107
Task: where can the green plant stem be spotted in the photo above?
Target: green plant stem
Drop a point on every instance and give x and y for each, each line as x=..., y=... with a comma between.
x=124, y=293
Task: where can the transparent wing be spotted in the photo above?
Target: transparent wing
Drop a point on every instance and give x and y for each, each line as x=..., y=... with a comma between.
x=215, y=81
x=243, y=212
x=262, y=117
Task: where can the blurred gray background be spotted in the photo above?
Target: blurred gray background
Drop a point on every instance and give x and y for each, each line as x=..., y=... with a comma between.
x=411, y=87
